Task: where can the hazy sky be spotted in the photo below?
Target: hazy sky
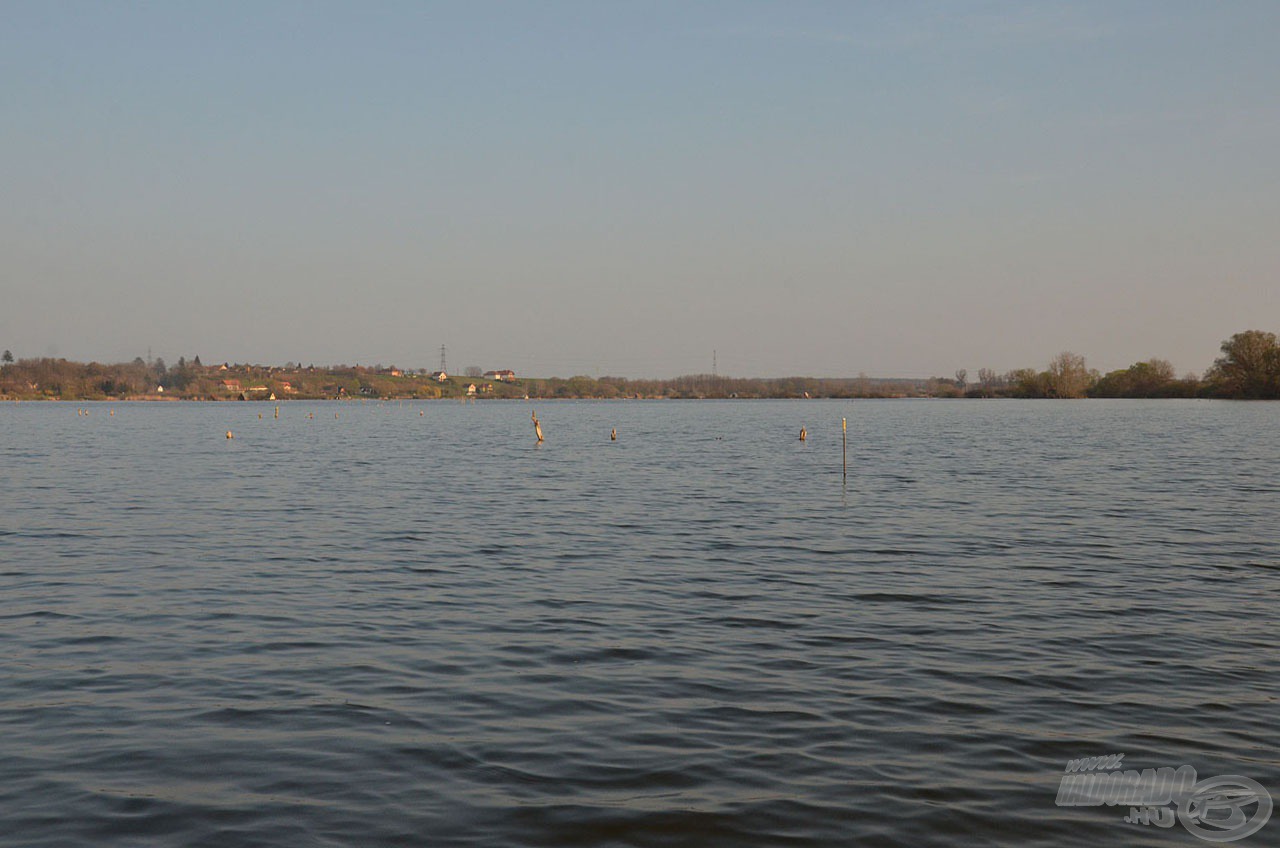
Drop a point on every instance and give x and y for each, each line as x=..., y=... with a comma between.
x=901, y=189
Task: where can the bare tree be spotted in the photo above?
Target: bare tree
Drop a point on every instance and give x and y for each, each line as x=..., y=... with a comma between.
x=1068, y=376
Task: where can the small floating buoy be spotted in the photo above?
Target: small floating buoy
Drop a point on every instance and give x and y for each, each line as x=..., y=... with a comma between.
x=804, y=434
x=335, y=415
x=113, y=412
x=419, y=413
x=229, y=436
x=613, y=434
x=259, y=416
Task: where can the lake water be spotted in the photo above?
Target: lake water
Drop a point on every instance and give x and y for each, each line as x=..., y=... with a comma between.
x=410, y=624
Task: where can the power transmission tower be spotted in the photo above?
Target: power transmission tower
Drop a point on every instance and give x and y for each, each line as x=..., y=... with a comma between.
x=714, y=370
x=442, y=368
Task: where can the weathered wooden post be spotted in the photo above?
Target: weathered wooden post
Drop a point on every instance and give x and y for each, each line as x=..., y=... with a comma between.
x=804, y=434
x=844, y=446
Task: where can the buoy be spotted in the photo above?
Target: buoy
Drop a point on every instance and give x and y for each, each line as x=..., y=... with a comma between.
x=259, y=416
x=419, y=413
x=229, y=436
x=613, y=434
x=804, y=434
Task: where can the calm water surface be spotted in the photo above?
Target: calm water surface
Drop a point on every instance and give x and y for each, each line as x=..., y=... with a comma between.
x=391, y=628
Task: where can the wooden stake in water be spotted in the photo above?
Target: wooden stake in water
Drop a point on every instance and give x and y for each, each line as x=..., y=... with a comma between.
x=844, y=445
x=537, y=428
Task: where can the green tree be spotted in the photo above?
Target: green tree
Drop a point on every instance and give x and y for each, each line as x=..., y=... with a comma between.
x=1249, y=366
x=1153, y=378
x=7, y=358
x=1026, y=383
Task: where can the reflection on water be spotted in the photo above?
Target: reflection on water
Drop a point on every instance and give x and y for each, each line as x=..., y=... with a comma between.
x=391, y=628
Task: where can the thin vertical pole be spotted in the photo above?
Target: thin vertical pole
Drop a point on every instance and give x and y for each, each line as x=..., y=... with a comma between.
x=844, y=445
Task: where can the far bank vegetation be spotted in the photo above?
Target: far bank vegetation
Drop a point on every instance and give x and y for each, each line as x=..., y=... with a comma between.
x=1248, y=367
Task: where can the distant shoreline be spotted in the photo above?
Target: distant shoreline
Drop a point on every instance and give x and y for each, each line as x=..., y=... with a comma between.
x=443, y=400
x=1249, y=368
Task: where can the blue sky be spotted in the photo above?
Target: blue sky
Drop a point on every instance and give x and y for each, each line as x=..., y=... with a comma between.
x=622, y=188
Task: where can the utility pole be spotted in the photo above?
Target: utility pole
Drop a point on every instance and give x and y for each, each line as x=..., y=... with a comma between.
x=714, y=370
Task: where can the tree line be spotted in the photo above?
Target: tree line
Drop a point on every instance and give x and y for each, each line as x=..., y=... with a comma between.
x=1248, y=368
